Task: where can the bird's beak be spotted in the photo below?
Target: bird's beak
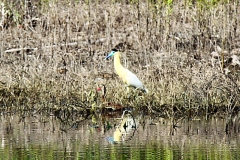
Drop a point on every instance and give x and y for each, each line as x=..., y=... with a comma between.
x=110, y=55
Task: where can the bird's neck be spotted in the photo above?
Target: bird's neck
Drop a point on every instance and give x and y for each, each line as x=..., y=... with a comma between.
x=117, y=63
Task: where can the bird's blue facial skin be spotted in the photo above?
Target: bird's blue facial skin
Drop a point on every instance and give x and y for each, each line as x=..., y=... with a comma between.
x=110, y=55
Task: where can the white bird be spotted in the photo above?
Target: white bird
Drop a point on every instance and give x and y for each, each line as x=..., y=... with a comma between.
x=127, y=76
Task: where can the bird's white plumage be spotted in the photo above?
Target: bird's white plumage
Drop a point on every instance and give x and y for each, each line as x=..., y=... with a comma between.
x=132, y=80
x=127, y=76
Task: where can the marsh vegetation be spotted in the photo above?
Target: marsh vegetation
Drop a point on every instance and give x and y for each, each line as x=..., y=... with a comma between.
x=185, y=52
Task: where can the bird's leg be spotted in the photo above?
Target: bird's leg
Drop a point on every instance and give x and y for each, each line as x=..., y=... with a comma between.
x=127, y=89
x=136, y=89
x=128, y=92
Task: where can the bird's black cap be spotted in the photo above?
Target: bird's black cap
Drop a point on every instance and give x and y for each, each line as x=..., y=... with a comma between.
x=115, y=50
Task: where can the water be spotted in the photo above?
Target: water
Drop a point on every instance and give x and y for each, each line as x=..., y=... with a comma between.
x=126, y=137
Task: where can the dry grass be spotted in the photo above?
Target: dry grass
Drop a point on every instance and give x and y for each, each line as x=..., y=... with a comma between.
x=53, y=56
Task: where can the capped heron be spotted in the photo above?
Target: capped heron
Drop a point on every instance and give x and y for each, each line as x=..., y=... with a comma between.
x=129, y=78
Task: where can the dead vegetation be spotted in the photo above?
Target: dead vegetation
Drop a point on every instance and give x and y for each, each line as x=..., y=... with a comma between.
x=186, y=53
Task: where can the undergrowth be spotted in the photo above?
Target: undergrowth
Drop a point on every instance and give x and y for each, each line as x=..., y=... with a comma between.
x=53, y=54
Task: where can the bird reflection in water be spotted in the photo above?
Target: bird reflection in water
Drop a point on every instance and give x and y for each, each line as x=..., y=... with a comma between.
x=125, y=130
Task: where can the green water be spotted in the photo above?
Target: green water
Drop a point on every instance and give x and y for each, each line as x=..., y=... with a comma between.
x=38, y=137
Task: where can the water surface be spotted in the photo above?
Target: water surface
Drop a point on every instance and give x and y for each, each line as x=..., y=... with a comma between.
x=122, y=137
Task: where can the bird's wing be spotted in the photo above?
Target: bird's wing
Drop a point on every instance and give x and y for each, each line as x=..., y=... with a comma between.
x=132, y=80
